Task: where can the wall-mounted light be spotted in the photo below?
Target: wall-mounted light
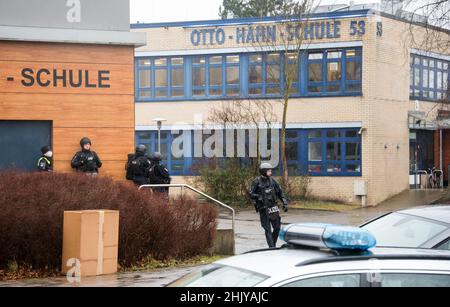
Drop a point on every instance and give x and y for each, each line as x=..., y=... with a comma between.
x=360, y=132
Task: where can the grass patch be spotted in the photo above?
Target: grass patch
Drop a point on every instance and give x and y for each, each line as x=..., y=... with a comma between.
x=153, y=264
x=323, y=205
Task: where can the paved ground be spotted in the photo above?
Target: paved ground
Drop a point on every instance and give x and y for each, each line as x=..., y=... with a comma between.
x=249, y=236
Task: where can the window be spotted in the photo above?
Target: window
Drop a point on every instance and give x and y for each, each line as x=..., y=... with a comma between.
x=317, y=152
x=232, y=75
x=315, y=72
x=220, y=276
x=177, y=77
x=255, y=77
x=160, y=78
x=415, y=280
x=312, y=73
x=334, y=72
x=350, y=280
x=334, y=152
x=400, y=230
x=429, y=78
x=292, y=72
x=353, y=72
x=273, y=73
x=199, y=76
x=144, y=78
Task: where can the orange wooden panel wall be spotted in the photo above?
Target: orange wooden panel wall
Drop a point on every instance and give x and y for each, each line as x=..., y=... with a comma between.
x=106, y=115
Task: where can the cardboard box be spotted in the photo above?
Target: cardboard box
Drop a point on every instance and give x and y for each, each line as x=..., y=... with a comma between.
x=91, y=238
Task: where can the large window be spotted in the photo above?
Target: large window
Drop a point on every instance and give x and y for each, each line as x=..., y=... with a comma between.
x=198, y=76
x=177, y=77
x=329, y=72
x=317, y=152
x=232, y=75
x=429, y=78
x=334, y=72
x=160, y=78
x=334, y=152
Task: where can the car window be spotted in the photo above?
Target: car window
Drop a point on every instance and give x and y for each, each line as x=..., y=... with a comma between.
x=400, y=230
x=220, y=276
x=445, y=246
x=415, y=280
x=349, y=280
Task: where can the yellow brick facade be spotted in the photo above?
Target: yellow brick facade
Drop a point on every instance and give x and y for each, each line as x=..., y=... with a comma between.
x=382, y=110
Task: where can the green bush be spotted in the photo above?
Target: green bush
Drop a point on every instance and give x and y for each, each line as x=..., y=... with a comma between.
x=228, y=181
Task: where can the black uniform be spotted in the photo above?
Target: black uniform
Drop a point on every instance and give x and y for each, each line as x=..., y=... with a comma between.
x=86, y=161
x=159, y=174
x=265, y=192
x=44, y=164
x=137, y=168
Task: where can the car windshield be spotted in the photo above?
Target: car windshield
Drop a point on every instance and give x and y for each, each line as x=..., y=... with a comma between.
x=402, y=230
x=220, y=276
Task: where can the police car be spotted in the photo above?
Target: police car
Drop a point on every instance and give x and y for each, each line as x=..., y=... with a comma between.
x=420, y=227
x=323, y=255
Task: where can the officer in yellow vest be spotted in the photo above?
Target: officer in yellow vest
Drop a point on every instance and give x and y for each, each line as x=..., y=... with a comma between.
x=45, y=162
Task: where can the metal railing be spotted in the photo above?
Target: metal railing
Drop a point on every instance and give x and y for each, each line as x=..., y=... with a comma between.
x=183, y=186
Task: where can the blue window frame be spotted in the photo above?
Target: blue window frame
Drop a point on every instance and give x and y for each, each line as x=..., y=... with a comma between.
x=429, y=78
x=333, y=152
x=317, y=152
x=160, y=78
x=177, y=77
x=144, y=78
x=333, y=72
x=232, y=79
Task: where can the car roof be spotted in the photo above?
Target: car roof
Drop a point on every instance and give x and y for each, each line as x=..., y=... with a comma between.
x=440, y=213
x=271, y=262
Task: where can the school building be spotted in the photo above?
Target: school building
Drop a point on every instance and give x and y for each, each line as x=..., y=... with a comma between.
x=66, y=72
x=365, y=110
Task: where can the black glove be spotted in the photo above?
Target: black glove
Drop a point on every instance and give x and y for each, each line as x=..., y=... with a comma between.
x=285, y=207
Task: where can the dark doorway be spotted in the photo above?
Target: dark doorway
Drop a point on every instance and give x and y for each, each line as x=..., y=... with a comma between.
x=21, y=142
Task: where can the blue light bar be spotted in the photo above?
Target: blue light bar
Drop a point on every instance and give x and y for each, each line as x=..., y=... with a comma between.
x=328, y=236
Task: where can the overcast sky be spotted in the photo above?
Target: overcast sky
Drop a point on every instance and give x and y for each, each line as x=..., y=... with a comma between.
x=183, y=10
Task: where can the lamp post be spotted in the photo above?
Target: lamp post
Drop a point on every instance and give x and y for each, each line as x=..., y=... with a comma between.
x=159, y=122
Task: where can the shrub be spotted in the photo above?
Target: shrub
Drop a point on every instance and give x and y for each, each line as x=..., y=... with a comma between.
x=228, y=181
x=296, y=188
x=31, y=219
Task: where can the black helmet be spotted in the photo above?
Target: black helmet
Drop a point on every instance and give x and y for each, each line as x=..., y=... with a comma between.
x=141, y=149
x=45, y=149
x=264, y=167
x=85, y=141
x=156, y=157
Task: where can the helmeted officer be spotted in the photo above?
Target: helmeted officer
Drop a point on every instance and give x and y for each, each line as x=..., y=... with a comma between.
x=265, y=192
x=45, y=162
x=138, y=166
x=86, y=161
x=159, y=174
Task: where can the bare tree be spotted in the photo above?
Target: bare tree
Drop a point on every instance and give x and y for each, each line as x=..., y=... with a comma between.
x=429, y=21
x=291, y=44
x=237, y=114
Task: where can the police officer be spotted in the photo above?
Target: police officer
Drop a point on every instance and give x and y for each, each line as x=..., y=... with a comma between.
x=265, y=191
x=138, y=166
x=86, y=161
x=159, y=174
x=45, y=162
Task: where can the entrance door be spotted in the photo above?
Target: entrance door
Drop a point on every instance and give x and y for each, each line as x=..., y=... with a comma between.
x=21, y=142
